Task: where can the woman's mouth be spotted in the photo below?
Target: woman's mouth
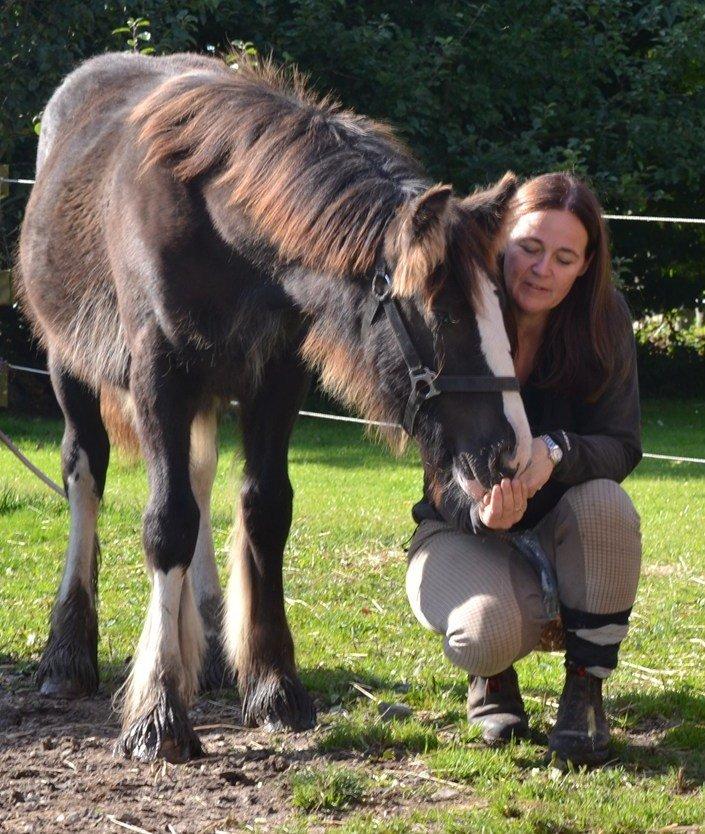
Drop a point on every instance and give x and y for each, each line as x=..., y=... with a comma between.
x=536, y=287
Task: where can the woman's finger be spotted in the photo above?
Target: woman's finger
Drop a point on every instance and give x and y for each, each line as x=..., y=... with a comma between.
x=507, y=496
x=496, y=501
x=517, y=497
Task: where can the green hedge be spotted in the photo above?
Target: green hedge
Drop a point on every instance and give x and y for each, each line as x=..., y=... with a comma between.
x=671, y=357
x=612, y=90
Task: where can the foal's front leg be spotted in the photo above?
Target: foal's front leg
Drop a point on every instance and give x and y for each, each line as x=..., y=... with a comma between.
x=164, y=678
x=257, y=633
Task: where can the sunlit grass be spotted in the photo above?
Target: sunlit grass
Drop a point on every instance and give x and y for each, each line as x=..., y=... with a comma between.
x=344, y=575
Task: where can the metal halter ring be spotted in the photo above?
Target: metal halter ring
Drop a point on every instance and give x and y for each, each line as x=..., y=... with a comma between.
x=423, y=383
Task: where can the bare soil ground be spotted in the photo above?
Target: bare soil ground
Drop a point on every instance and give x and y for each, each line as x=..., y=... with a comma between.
x=58, y=774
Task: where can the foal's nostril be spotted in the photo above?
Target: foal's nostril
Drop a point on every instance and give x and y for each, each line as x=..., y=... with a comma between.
x=499, y=461
x=505, y=458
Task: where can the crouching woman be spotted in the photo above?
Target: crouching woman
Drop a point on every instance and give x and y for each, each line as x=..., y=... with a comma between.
x=576, y=361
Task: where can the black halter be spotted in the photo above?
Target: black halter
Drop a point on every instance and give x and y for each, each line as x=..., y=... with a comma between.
x=425, y=382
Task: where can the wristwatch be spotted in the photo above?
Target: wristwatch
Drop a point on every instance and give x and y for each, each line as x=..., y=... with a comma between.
x=554, y=450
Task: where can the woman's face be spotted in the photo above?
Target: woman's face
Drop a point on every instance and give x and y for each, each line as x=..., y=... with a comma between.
x=544, y=257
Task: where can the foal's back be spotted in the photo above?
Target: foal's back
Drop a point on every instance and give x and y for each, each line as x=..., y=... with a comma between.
x=99, y=94
x=67, y=254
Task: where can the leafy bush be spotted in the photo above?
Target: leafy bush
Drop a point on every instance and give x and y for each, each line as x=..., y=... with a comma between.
x=671, y=356
x=614, y=91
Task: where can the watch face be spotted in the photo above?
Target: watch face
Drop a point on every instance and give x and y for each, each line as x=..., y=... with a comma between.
x=554, y=450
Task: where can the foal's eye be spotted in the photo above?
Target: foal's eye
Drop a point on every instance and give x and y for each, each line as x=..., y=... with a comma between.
x=446, y=319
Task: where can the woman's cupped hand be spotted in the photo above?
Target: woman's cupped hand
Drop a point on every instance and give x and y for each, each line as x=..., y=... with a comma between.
x=505, y=504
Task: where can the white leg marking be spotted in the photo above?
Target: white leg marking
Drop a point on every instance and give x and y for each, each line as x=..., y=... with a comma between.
x=191, y=640
x=80, y=557
x=158, y=657
x=495, y=347
x=203, y=464
x=238, y=601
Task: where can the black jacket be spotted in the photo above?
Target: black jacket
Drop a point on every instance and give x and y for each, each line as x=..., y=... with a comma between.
x=601, y=439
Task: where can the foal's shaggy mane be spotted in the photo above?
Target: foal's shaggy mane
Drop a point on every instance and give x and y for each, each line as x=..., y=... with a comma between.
x=318, y=181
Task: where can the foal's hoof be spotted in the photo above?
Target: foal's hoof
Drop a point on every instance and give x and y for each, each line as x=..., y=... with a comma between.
x=215, y=671
x=277, y=702
x=67, y=674
x=68, y=688
x=163, y=733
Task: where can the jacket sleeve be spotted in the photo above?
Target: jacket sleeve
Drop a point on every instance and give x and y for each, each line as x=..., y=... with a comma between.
x=608, y=442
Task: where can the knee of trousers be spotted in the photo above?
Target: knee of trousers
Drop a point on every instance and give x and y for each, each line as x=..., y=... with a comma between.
x=606, y=500
x=602, y=517
x=486, y=635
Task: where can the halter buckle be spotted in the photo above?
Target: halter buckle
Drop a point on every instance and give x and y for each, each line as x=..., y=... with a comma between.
x=423, y=383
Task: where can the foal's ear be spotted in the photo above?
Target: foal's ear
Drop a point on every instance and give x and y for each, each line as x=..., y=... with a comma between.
x=421, y=240
x=489, y=207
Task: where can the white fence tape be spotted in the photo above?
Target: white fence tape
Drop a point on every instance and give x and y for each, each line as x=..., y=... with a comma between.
x=341, y=418
x=644, y=218
x=344, y=419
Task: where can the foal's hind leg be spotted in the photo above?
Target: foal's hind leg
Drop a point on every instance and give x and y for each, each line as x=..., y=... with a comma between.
x=204, y=573
x=69, y=663
x=164, y=677
x=257, y=633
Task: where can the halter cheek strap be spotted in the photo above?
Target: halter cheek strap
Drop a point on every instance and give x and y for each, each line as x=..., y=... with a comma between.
x=425, y=382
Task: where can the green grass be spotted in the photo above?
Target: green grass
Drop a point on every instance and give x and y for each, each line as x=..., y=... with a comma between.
x=344, y=575
x=331, y=789
x=368, y=735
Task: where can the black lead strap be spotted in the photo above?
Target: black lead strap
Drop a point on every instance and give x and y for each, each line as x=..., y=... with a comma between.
x=425, y=382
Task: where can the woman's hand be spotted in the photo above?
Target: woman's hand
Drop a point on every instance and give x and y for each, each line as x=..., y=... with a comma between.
x=540, y=468
x=501, y=508
x=505, y=504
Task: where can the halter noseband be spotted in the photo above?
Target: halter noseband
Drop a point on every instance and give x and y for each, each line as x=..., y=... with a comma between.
x=425, y=382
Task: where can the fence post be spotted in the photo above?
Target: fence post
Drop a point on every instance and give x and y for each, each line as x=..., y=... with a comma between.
x=4, y=184
x=5, y=286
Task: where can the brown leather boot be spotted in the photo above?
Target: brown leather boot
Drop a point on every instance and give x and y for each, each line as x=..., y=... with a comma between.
x=495, y=704
x=581, y=734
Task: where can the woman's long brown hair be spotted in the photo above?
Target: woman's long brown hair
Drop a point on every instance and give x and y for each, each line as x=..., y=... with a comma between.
x=585, y=333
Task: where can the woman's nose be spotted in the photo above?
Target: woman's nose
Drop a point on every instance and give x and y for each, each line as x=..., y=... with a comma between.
x=541, y=266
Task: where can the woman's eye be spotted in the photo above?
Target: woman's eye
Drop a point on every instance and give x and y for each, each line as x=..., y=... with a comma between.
x=563, y=262
x=530, y=248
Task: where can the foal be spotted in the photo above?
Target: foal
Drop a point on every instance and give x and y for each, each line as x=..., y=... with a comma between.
x=196, y=234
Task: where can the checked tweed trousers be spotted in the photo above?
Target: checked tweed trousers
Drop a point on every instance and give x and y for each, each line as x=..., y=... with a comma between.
x=486, y=600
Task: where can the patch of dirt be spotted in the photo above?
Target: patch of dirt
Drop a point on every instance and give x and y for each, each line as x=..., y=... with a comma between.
x=58, y=773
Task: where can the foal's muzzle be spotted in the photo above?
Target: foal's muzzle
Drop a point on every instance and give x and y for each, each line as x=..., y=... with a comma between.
x=481, y=471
